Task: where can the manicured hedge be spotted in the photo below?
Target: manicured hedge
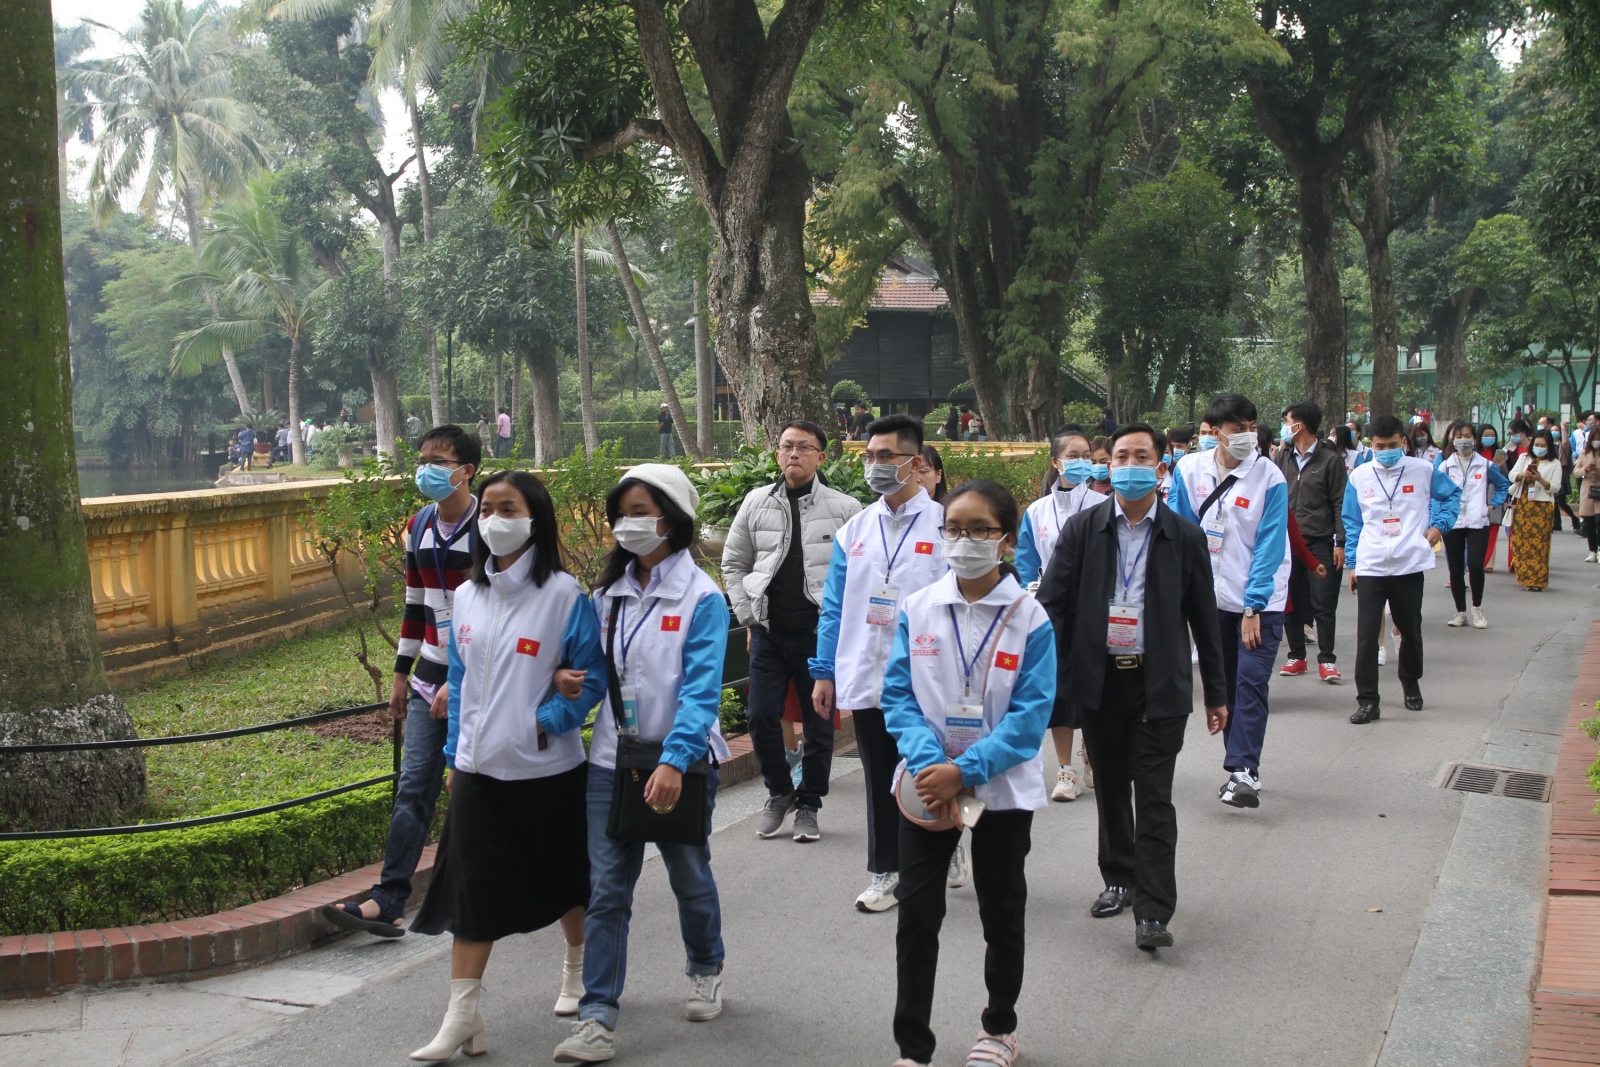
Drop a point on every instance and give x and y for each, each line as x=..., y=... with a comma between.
x=87, y=883
x=640, y=440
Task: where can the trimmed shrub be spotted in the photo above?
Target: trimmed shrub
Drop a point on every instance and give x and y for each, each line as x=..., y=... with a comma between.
x=639, y=440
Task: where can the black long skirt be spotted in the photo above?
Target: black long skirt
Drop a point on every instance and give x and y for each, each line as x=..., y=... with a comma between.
x=513, y=857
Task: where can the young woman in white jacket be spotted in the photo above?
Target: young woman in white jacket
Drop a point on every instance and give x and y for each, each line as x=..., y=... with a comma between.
x=513, y=856
x=666, y=625
x=966, y=695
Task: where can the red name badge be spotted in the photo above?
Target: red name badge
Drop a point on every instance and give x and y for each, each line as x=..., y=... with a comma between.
x=924, y=548
x=527, y=646
x=1006, y=661
x=1407, y=488
x=1241, y=501
x=672, y=622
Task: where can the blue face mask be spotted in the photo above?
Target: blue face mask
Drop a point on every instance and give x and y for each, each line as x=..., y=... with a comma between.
x=1207, y=442
x=1539, y=450
x=434, y=482
x=1389, y=456
x=1074, y=471
x=1099, y=471
x=1488, y=440
x=1515, y=439
x=1133, y=483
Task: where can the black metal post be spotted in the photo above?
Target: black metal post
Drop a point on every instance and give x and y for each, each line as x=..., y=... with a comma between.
x=449, y=376
x=1345, y=377
x=394, y=748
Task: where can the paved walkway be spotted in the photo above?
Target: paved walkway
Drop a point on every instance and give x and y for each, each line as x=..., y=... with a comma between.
x=1298, y=925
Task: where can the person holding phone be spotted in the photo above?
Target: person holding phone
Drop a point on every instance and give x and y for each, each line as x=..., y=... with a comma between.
x=665, y=627
x=525, y=667
x=966, y=694
x=1535, y=482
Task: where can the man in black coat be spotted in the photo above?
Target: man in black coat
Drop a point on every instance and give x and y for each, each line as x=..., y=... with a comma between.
x=1128, y=584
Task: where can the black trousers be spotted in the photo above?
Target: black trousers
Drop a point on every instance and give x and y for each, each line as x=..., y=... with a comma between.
x=1133, y=759
x=1000, y=844
x=1591, y=529
x=778, y=657
x=1315, y=600
x=1403, y=595
x=1563, y=502
x=1464, y=552
x=879, y=756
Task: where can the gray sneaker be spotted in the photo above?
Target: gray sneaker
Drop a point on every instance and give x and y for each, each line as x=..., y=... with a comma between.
x=805, y=825
x=772, y=816
x=705, y=998
x=590, y=1042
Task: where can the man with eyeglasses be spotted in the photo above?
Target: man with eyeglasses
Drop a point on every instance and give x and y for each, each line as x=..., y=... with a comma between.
x=773, y=564
x=880, y=557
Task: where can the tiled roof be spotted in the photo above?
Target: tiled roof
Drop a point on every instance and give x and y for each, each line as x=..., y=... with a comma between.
x=906, y=285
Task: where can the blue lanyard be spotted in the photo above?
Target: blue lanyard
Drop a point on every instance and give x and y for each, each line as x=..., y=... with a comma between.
x=977, y=653
x=622, y=625
x=1400, y=476
x=1128, y=573
x=440, y=556
x=889, y=569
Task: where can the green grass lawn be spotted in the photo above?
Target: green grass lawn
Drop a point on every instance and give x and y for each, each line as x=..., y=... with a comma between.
x=317, y=672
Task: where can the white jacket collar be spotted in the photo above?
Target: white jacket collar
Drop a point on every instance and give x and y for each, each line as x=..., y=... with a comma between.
x=519, y=574
x=946, y=591
x=919, y=503
x=671, y=579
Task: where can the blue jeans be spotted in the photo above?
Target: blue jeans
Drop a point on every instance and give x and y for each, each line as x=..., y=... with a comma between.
x=1249, y=673
x=614, y=868
x=421, y=778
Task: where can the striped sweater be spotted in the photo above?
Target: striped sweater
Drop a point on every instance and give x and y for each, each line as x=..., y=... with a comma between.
x=433, y=570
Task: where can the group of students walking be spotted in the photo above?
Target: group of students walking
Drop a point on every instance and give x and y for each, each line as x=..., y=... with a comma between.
x=952, y=662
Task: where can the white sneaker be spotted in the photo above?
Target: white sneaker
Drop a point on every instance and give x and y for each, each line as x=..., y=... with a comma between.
x=590, y=1042
x=1383, y=653
x=1067, y=787
x=1478, y=621
x=1460, y=619
x=705, y=997
x=960, y=868
x=1088, y=768
x=1590, y=558
x=879, y=896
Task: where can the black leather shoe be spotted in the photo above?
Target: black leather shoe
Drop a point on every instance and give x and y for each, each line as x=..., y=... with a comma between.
x=1364, y=714
x=1109, y=903
x=1414, y=702
x=1152, y=934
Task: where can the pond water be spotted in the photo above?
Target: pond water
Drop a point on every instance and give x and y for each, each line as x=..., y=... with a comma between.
x=103, y=481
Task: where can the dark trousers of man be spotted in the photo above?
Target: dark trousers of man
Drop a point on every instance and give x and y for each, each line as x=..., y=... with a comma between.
x=777, y=658
x=1564, y=500
x=1464, y=552
x=1000, y=844
x=1249, y=674
x=1133, y=763
x=1403, y=594
x=879, y=755
x=1315, y=600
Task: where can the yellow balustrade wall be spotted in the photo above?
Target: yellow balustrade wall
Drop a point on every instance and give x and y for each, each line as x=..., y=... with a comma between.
x=175, y=574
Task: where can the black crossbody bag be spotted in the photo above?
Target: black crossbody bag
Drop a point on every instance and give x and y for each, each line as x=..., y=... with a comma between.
x=631, y=818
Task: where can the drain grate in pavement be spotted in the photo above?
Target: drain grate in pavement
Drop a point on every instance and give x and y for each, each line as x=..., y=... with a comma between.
x=1498, y=781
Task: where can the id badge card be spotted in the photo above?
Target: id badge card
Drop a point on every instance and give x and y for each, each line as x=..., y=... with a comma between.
x=441, y=621
x=963, y=725
x=1391, y=524
x=1215, y=527
x=1122, y=625
x=630, y=711
x=882, y=602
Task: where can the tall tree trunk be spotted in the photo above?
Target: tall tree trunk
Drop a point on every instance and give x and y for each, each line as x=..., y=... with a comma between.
x=52, y=683
x=297, y=447
x=1375, y=224
x=425, y=194
x=580, y=275
x=1450, y=321
x=705, y=375
x=1323, y=349
x=191, y=214
x=516, y=392
x=544, y=403
x=648, y=335
x=499, y=385
x=385, y=382
x=266, y=386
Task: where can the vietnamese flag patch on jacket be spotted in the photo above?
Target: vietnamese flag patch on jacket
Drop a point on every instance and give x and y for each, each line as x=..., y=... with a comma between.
x=1006, y=661
x=672, y=622
x=527, y=646
x=924, y=548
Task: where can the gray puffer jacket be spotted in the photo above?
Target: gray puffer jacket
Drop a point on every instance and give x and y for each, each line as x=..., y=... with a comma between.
x=758, y=540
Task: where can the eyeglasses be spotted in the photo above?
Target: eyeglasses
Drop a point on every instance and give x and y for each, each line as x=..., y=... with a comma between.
x=971, y=533
x=884, y=457
x=797, y=450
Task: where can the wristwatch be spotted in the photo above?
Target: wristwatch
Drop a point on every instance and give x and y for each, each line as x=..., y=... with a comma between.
x=1249, y=613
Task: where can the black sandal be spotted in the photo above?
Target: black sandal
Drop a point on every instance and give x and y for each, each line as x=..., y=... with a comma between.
x=347, y=916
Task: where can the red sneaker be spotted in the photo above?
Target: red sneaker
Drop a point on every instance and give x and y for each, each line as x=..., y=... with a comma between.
x=1329, y=673
x=1292, y=668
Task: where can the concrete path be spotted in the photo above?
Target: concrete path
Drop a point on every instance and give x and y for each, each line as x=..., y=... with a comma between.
x=1298, y=925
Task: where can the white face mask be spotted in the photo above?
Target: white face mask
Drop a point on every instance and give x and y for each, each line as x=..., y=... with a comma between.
x=505, y=535
x=637, y=534
x=972, y=559
x=1242, y=445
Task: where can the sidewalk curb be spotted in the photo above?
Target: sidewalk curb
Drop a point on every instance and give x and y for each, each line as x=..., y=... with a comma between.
x=41, y=965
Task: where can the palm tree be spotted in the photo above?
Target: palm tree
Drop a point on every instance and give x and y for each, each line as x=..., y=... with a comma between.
x=259, y=269
x=74, y=110
x=165, y=108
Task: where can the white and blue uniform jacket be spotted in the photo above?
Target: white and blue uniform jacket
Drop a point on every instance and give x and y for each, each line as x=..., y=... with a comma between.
x=1418, y=494
x=1042, y=523
x=1252, y=570
x=1482, y=486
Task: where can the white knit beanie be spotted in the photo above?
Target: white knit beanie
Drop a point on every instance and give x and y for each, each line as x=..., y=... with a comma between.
x=671, y=481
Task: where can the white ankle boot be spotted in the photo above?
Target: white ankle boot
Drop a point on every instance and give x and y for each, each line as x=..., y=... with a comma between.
x=571, y=981
x=462, y=1027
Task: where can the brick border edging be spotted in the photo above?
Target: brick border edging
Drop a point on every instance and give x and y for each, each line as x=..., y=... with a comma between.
x=41, y=965
x=1565, y=1023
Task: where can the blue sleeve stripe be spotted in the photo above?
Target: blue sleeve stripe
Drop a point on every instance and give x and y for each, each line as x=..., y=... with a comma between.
x=821, y=664
x=1445, y=507
x=902, y=715
x=458, y=671
x=1272, y=541
x=1178, y=494
x=700, y=691
x=1027, y=561
x=1351, y=512
x=581, y=651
